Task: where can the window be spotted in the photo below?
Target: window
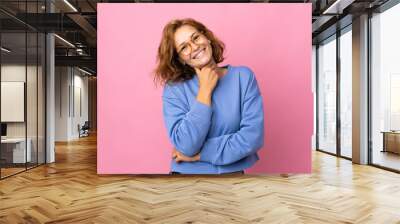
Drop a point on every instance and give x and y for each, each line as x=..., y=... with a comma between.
x=385, y=88
x=327, y=95
x=346, y=92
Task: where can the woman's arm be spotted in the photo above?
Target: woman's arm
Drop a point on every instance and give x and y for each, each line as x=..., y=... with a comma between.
x=227, y=149
x=187, y=127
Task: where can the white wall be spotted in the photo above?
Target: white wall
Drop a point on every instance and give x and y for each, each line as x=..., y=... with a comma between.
x=15, y=72
x=79, y=117
x=71, y=93
x=61, y=103
x=12, y=73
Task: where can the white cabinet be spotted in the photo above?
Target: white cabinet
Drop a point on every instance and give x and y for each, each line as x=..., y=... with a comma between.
x=18, y=149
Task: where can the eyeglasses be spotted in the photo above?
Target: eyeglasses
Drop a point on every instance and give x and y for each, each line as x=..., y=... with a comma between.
x=186, y=48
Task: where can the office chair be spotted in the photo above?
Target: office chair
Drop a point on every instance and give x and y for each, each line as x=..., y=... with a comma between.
x=84, y=130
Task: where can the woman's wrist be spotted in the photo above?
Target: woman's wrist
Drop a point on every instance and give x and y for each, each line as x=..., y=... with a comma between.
x=206, y=91
x=204, y=96
x=197, y=157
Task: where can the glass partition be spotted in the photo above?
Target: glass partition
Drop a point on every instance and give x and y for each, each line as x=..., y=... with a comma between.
x=13, y=103
x=22, y=77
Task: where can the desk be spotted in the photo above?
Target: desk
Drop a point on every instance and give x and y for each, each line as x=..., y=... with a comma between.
x=15, y=148
x=391, y=141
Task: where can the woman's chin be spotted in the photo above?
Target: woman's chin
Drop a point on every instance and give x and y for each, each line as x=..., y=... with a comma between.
x=200, y=64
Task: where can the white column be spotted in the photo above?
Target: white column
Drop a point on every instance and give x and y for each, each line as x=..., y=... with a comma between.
x=50, y=93
x=50, y=110
x=360, y=90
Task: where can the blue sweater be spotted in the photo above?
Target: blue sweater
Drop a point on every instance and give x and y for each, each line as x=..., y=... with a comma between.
x=227, y=134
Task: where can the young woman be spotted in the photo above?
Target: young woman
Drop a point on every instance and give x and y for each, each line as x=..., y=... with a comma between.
x=213, y=114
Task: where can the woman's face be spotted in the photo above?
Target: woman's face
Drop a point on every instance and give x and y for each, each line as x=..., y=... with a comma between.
x=192, y=46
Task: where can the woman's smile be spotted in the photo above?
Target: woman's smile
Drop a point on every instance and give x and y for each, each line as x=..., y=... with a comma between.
x=199, y=54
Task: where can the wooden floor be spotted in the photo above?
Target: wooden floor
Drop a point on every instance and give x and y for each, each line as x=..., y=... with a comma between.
x=5, y=172
x=70, y=191
x=387, y=159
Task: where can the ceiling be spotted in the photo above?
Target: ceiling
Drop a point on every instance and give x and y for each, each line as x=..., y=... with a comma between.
x=76, y=22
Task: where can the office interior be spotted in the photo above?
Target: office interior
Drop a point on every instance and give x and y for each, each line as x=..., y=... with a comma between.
x=49, y=92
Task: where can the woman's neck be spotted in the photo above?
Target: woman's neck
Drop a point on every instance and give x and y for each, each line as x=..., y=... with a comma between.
x=220, y=70
x=210, y=64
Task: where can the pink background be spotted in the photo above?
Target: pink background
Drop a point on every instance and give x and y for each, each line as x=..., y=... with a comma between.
x=274, y=40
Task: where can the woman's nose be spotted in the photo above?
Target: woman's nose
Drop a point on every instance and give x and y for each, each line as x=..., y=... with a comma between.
x=194, y=46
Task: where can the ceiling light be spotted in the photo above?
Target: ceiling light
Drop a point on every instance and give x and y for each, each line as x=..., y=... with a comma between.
x=338, y=6
x=64, y=40
x=70, y=5
x=5, y=50
x=84, y=71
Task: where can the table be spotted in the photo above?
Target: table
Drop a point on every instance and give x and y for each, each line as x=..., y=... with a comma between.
x=391, y=141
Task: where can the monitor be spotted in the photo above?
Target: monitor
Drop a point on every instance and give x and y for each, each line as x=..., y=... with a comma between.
x=3, y=129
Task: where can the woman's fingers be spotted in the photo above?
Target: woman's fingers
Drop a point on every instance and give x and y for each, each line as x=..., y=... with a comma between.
x=179, y=157
x=174, y=154
x=197, y=70
x=208, y=78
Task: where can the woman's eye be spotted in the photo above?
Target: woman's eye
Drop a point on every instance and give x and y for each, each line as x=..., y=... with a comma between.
x=183, y=48
x=196, y=37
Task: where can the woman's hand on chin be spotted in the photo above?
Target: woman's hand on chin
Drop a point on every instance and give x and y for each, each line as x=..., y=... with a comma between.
x=179, y=157
x=208, y=79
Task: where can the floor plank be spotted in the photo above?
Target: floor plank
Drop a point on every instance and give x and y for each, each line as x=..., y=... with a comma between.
x=70, y=191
